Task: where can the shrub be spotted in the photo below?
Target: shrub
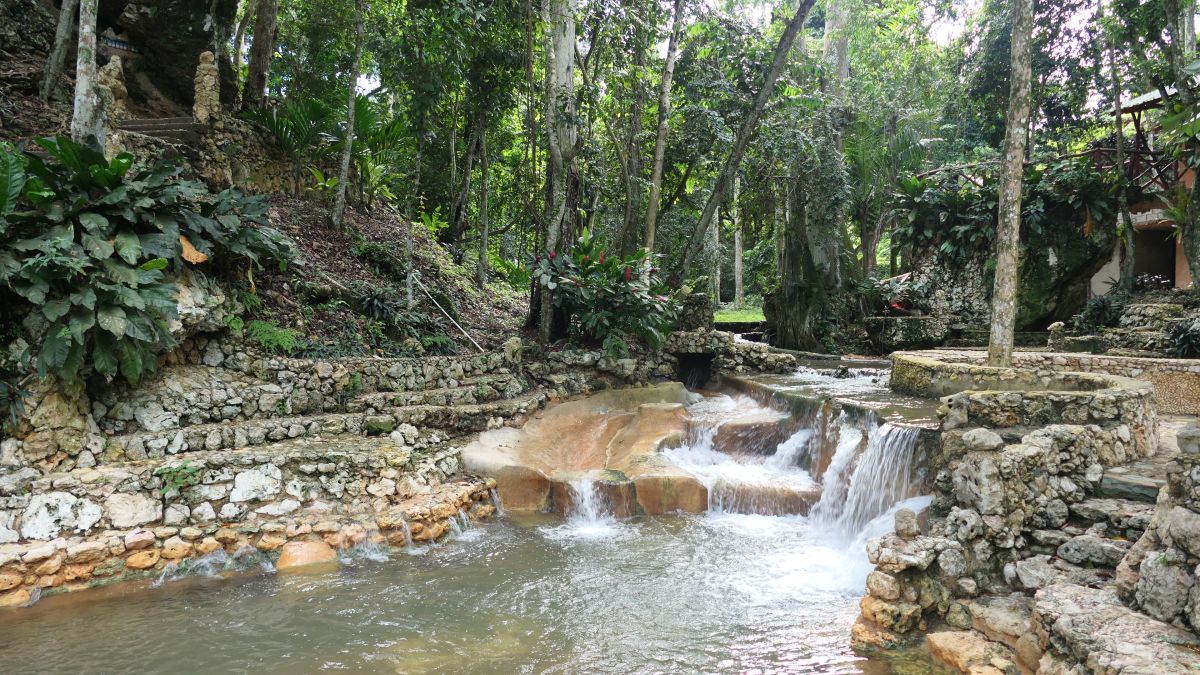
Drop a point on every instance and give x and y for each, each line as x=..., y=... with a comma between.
x=85, y=245
x=1183, y=339
x=606, y=297
x=272, y=338
x=1102, y=311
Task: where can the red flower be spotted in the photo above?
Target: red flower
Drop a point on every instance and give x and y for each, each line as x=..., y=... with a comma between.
x=552, y=254
x=628, y=273
x=601, y=257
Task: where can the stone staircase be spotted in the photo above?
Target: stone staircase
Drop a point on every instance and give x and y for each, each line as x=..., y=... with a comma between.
x=175, y=130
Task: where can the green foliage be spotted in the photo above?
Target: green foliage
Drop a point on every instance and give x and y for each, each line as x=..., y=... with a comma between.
x=954, y=212
x=272, y=338
x=89, y=249
x=179, y=476
x=433, y=221
x=323, y=187
x=12, y=404
x=1102, y=311
x=301, y=126
x=1183, y=339
x=605, y=296
x=235, y=324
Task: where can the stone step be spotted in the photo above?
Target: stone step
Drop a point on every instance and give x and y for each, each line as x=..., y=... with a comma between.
x=1123, y=517
x=1092, y=627
x=470, y=392
x=187, y=395
x=450, y=420
x=1131, y=483
x=969, y=651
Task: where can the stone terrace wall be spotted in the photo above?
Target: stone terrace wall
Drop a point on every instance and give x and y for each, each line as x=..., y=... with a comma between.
x=1176, y=381
x=1016, y=465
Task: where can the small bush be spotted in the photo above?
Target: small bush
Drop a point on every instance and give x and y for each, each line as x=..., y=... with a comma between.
x=1102, y=311
x=272, y=338
x=606, y=297
x=1183, y=339
x=85, y=245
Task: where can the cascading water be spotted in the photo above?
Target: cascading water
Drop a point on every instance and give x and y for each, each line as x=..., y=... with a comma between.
x=589, y=517
x=859, y=486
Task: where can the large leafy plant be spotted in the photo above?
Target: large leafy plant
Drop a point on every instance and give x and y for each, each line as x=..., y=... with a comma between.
x=606, y=296
x=87, y=243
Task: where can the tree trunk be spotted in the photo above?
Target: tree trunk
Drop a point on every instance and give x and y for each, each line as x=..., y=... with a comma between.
x=630, y=236
x=664, y=127
x=339, y=203
x=62, y=43
x=739, y=291
x=1181, y=50
x=562, y=185
x=742, y=140
x=1012, y=171
x=1125, y=285
x=715, y=270
x=482, y=275
x=87, y=122
x=261, y=49
x=239, y=47
x=458, y=210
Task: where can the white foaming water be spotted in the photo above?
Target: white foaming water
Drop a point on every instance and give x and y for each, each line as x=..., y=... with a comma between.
x=496, y=501
x=216, y=563
x=859, y=487
x=365, y=550
x=747, y=484
x=590, y=517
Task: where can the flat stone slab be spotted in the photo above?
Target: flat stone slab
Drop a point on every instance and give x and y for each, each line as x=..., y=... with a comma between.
x=1092, y=627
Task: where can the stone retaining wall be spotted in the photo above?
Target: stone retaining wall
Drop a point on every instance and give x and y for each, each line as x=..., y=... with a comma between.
x=1176, y=381
x=1021, y=456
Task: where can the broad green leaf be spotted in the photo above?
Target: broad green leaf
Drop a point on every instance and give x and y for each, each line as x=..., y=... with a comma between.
x=94, y=223
x=155, y=264
x=80, y=323
x=128, y=247
x=55, y=348
x=97, y=247
x=112, y=319
x=84, y=298
x=55, y=309
x=104, y=356
x=12, y=180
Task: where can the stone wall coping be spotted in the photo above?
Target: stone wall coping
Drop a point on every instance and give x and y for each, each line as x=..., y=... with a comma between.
x=910, y=368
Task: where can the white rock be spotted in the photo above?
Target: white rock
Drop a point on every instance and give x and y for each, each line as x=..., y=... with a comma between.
x=49, y=514
x=204, y=513
x=130, y=510
x=280, y=509
x=177, y=514
x=232, y=511
x=261, y=483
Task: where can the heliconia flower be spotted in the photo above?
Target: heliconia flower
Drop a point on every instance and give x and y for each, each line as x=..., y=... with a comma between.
x=553, y=254
x=628, y=273
x=601, y=257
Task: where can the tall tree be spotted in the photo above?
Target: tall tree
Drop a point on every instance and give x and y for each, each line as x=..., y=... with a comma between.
x=739, y=286
x=1012, y=172
x=339, y=203
x=262, y=48
x=1125, y=283
x=742, y=140
x=62, y=43
x=239, y=43
x=481, y=275
x=562, y=176
x=87, y=122
x=664, y=127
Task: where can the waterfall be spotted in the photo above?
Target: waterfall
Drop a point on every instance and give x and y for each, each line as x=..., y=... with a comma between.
x=859, y=487
x=588, y=507
x=496, y=501
x=771, y=486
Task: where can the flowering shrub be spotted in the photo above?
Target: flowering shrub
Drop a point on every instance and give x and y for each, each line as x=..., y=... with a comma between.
x=606, y=296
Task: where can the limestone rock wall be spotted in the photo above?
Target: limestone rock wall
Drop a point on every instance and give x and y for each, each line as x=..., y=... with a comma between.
x=1014, y=482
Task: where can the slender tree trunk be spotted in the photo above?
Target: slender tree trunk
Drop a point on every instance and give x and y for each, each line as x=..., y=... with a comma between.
x=715, y=270
x=1012, y=171
x=458, y=210
x=630, y=236
x=410, y=273
x=482, y=275
x=664, y=127
x=239, y=48
x=339, y=203
x=62, y=44
x=739, y=291
x=87, y=122
x=262, y=48
x=742, y=140
x=562, y=187
x=1127, y=262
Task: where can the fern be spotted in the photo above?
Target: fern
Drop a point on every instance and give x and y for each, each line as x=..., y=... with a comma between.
x=272, y=338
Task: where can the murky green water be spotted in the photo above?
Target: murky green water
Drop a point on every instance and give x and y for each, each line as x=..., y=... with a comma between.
x=718, y=593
